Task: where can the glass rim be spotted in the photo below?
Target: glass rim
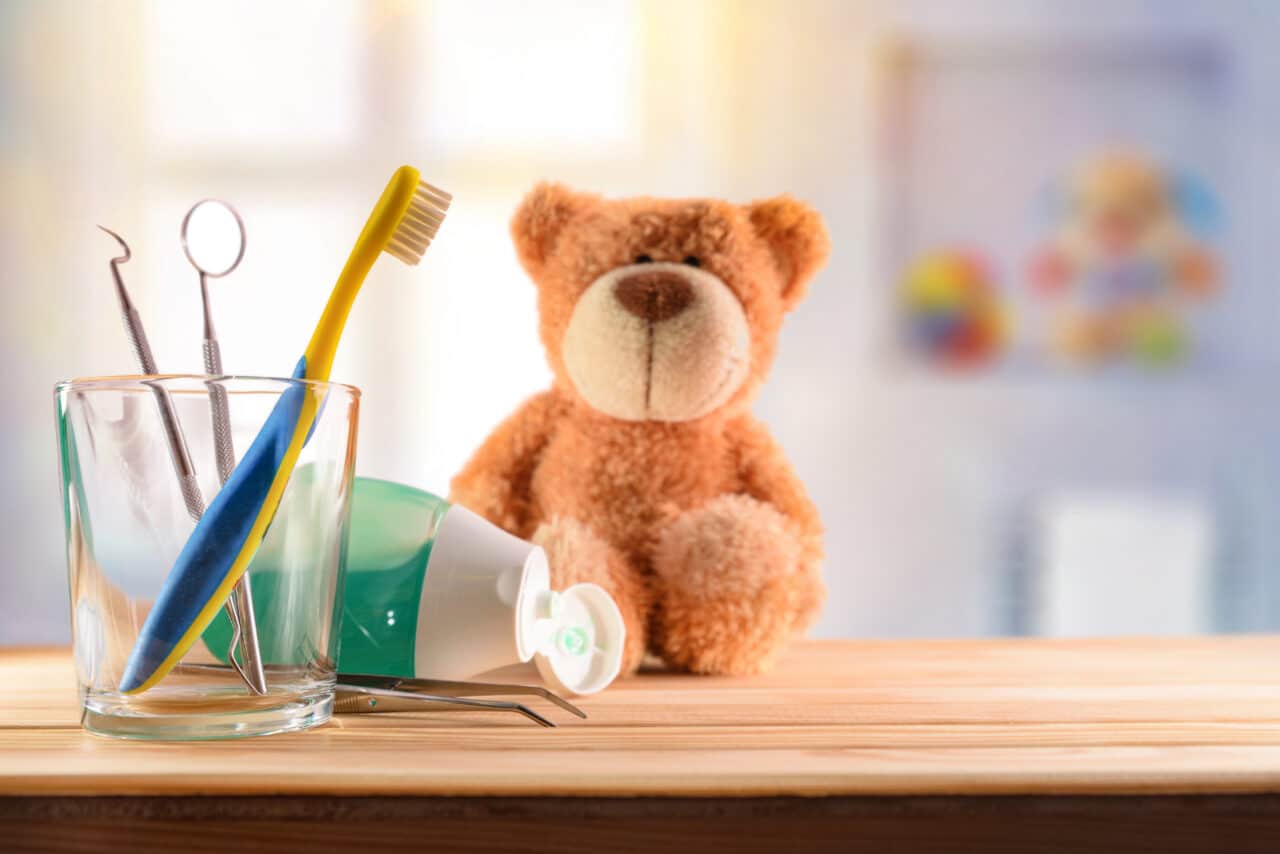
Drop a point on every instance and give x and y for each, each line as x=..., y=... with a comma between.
x=126, y=382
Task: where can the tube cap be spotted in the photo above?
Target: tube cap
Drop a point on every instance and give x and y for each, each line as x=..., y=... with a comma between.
x=578, y=636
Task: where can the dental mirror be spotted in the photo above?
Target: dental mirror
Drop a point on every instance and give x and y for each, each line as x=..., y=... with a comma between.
x=213, y=238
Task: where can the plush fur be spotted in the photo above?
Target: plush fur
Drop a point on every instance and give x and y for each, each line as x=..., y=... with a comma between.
x=642, y=469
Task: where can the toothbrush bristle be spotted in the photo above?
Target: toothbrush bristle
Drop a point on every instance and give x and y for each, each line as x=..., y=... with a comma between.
x=418, y=227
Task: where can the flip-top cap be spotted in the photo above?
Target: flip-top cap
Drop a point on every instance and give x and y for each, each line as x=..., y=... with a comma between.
x=578, y=634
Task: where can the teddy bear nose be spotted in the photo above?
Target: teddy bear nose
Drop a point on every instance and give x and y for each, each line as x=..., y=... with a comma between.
x=655, y=296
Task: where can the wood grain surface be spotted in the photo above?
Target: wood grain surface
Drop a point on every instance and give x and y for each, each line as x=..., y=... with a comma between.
x=851, y=825
x=989, y=717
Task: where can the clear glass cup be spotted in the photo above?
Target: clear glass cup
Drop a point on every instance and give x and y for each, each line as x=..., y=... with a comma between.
x=127, y=519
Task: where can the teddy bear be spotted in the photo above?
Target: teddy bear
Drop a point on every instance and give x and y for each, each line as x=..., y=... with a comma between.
x=642, y=469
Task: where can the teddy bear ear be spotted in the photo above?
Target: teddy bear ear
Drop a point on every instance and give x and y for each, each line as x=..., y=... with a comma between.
x=796, y=237
x=539, y=220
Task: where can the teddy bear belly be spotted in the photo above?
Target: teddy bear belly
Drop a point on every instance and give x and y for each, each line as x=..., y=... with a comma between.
x=625, y=491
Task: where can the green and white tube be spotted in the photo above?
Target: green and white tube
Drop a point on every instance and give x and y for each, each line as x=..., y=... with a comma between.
x=433, y=590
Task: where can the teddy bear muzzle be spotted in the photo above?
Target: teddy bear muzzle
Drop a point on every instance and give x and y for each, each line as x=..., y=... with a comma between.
x=657, y=342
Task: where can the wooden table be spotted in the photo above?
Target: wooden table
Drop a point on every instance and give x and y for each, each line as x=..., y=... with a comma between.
x=1006, y=745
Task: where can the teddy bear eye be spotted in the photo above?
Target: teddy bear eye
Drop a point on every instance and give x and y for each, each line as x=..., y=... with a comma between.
x=692, y=261
x=644, y=259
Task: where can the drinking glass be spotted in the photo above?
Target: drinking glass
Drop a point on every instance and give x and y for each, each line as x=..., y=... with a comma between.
x=127, y=519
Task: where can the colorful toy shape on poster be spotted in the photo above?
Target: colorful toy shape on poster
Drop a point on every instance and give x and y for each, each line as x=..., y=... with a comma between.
x=953, y=310
x=1128, y=262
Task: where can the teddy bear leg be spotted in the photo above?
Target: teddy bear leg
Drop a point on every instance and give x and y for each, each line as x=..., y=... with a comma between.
x=577, y=555
x=735, y=579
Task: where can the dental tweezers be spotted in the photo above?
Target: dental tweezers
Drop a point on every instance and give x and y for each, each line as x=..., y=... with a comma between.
x=362, y=693
x=355, y=701
x=358, y=693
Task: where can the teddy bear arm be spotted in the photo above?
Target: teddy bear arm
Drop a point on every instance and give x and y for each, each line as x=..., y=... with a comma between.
x=495, y=481
x=739, y=575
x=768, y=477
x=765, y=474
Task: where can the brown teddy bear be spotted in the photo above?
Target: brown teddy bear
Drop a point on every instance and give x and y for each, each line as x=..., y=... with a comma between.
x=641, y=469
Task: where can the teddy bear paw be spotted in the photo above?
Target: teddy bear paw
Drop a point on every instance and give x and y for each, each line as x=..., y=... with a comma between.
x=736, y=581
x=578, y=555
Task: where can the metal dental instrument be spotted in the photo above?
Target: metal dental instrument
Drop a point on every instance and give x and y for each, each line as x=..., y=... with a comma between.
x=361, y=693
x=212, y=354
x=188, y=483
x=245, y=625
x=358, y=693
x=178, y=452
x=354, y=700
x=449, y=688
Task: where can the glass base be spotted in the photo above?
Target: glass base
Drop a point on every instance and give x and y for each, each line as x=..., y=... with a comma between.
x=120, y=717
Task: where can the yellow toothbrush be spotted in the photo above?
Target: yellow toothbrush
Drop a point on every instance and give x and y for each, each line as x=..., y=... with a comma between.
x=403, y=224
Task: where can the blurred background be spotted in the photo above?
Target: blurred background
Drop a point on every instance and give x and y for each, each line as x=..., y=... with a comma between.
x=1033, y=391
